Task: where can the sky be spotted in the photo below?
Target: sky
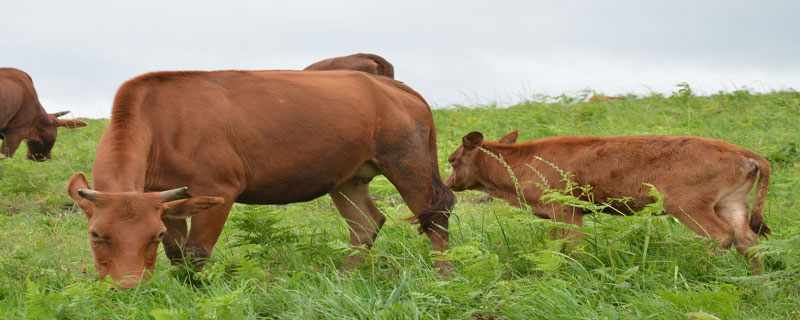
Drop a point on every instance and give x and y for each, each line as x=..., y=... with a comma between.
x=453, y=52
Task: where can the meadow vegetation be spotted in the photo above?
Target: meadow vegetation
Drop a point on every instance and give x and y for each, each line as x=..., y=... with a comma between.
x=282, y=261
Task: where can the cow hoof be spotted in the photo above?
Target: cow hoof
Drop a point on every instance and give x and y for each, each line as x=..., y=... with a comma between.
x=351, y=263
x=196, y=255
x=174, y=254
x=444, y=267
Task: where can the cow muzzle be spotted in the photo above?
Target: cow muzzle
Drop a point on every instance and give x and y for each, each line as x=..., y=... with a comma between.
x=129, y=282
x=38, y=157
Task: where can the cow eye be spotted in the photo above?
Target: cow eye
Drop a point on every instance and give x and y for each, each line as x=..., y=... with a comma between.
x=95, y=237
x=160, y=237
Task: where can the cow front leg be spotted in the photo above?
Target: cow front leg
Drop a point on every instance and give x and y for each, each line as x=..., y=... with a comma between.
x=204, y=233
x=11, y=142
x=175, y=239
x=569, y=215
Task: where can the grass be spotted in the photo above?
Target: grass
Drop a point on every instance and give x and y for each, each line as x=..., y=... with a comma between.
x=281, y=261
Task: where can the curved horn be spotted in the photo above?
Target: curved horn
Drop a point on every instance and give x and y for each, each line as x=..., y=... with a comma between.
x=58, y=114
x=173, y=194
x=87, y=194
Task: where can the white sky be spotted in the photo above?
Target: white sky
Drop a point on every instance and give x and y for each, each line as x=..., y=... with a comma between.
x=463, y=52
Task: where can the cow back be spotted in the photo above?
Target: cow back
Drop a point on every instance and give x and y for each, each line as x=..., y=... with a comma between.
x=277, y=136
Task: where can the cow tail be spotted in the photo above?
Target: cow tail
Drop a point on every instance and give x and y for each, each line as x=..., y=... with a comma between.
x=436, y=215
x=757, y=223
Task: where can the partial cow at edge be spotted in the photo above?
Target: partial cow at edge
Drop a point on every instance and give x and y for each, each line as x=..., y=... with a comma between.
x=258, y=137
x=22, y=117
x=706, y=183
x=366, y=62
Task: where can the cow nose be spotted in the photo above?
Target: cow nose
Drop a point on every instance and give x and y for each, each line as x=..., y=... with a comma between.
x=449, y=182
x=36, y=157
x=128, y=282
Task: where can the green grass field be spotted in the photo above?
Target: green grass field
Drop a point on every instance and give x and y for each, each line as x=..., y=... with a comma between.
x=281, y=261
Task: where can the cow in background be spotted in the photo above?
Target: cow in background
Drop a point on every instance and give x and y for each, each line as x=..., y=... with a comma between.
x=22, y=117
x=602, y=98
x=706, y=183
x=366, y=62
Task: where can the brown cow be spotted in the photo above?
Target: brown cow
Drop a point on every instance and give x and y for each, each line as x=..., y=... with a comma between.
x=366, y=62
x=604, y=98
x=706, y=183
x=255, y=137
x=23, y=118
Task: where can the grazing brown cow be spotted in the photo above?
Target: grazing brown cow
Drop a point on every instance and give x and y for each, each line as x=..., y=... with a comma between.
x=366, y=62
x=706, y=183
x=255, y=137
x=23, y=118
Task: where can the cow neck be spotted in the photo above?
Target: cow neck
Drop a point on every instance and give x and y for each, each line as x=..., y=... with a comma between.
x=121, y=161
x=496, y=175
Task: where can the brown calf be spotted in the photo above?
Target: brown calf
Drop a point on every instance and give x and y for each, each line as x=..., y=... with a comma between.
x=22, y=117
x=706, y=183
x=366, y=62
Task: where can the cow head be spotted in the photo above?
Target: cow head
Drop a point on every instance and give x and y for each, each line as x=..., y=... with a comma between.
x=43, y=135
x=465, y=174
x=125, y=228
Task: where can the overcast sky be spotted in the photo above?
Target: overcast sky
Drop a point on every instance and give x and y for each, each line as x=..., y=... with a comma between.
x=452, y=52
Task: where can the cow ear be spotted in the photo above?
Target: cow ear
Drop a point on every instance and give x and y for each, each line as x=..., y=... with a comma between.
x=69, y=124
x=185, y=208
x=472, y=140
x=78, y=182
x=510, y=138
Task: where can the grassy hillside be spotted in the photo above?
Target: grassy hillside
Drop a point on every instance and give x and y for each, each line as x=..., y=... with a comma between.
x=281, y=261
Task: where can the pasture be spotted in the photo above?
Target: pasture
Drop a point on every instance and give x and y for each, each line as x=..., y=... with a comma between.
x=282, y=261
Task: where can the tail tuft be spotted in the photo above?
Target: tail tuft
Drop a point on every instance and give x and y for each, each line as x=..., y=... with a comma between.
x=437, y=214
x=757, y=223
x=759, y=226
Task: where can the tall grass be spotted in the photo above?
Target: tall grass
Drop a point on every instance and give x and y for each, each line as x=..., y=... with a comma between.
x=282, y=261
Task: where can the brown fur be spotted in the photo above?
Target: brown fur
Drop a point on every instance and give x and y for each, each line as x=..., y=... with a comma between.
x=262, y=137
x=22, y=117
x=706, y=183
x=366, y=62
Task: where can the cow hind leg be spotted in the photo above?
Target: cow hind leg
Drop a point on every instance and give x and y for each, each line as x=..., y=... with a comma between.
x=703, y=220
x=428, y=198
x=364, y=219
x=734, y=211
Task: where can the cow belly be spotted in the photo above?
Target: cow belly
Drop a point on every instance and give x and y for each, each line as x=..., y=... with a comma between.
x=285, y=196
x=302, y=186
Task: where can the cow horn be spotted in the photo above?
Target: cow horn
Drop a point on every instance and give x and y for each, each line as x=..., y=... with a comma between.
x=61, y=113
x=173, y=194
x=87, y=194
